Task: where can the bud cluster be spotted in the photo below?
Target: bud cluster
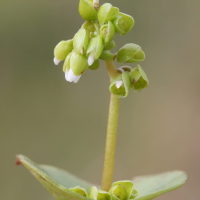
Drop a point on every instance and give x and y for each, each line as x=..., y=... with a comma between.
x=94, y=41
x=121, y=190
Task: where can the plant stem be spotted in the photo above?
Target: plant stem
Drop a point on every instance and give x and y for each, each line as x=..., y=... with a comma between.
x=112, y=70
x=111, y=133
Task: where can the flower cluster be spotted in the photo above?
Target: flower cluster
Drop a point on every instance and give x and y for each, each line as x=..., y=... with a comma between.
x=121, y=190
x=94, y=41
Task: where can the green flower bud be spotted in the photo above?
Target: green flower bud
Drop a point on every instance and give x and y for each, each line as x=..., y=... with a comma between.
x=139, y=79
x=118, y=193
x=87, y=11
x=130, y=53
x=61, y=50
x=120, y=86
x=95, y=65
x=127, y=187
x=95, y=49
x=110, y=45
x=123, y=23
x=80, y=191
x=107, y=13
x=66, y=65
x=107, y=32
x=134, y=194
x=81, y=41
x=106, y=55
x=99, y=194
x=78, y=65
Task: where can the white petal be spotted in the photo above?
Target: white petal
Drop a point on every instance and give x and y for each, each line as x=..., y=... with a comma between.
x=81, y=51
x=66, y=74
x=77, y=79
x=71, y=77
x=118, y=84
x=56, y=62
x=90, y=60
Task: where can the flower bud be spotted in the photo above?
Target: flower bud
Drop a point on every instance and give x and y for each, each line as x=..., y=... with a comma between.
x=95, y=65
x=130, y=53
x=87, y=11
x=123, y=23
x=120, y=86
x=61, y=50
x=107, y=32
x=96, y=194
x=106, y=55
x=78, y=65
x=118, y=193
x=81, y=41
x=110, y=45
x=80, y=191
x=122, y=187
x=139, y=79
x=94, y=49
x=107, y=13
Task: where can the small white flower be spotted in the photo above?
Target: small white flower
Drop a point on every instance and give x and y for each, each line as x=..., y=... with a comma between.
x=56, y=62
x=71, y=77
x=118, y=84
x=90, y=59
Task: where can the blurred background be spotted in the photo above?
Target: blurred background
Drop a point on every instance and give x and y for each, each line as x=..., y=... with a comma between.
x=63, y=124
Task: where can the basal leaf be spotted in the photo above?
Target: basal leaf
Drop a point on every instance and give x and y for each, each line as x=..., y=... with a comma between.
x=55, y=180
x=150, y=187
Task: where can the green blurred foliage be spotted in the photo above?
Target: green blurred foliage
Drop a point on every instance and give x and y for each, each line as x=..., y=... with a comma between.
x=53, y=121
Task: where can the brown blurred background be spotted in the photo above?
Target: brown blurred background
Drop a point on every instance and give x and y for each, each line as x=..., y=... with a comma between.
x=63, y=124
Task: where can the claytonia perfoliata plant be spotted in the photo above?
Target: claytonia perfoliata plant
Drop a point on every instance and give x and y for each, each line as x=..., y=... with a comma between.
x=94, y=41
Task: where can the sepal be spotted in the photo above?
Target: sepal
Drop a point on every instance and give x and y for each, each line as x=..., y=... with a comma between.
x=107, y=31
x=96, y=194
x=107, y=13
x=106, y=55
x=110, y=45
x=139, y=79
x=130, y=53
x=95, y=65
x=120, y=86
x=61, y=50
x=78, y=63
x=66, y=65
x=80, y=191
x=81, y=41
x=123, y=23
x=95, y=49
x=125, y=187
x=87, y=11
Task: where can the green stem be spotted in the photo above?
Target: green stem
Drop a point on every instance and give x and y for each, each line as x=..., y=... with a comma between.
x=111, y=134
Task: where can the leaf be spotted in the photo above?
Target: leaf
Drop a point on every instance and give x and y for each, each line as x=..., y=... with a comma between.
x=56, y=181
x=150, y=187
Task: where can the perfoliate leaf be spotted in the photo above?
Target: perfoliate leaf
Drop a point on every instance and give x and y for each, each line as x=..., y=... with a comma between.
x=55, y=180
x=150, y=187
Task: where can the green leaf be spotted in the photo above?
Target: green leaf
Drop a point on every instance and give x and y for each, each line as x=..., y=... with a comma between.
x=55, y=180
x=150, y=187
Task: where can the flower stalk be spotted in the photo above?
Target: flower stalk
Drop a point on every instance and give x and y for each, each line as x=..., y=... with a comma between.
x=110, y=143
x=111, y=132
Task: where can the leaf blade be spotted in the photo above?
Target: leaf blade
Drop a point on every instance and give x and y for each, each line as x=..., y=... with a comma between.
x=150, y=187
x=55, y=180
